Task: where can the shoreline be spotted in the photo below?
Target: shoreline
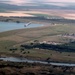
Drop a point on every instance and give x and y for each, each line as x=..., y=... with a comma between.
x=8, y=55
x=33, y=25
x=24, y=60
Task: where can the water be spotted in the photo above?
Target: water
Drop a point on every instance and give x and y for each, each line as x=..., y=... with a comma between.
x=14, y=59
x=6, y=26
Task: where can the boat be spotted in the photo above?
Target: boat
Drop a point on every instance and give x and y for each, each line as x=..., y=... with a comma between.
x=27, y=24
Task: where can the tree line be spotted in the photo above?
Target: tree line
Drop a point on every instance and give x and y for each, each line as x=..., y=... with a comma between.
x=70, y=47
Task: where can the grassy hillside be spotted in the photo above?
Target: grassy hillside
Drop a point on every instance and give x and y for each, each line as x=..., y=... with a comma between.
x=48, y=33
x=14, y=38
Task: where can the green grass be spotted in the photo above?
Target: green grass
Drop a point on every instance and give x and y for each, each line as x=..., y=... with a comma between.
x=42, y=54
x=6, y=45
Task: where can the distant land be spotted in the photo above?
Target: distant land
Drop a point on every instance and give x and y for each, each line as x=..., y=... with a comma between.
x=62, y=9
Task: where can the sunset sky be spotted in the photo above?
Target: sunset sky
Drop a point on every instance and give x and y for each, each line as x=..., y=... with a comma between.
x=17, y=5
x=31, y=1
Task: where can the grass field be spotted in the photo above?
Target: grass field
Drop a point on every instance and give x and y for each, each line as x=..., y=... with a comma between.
x=6, y=45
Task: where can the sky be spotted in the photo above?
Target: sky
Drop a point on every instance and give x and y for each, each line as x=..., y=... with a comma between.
x=20, y=2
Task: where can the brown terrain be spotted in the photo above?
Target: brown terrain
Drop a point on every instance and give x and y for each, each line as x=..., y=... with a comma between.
x=12, y=68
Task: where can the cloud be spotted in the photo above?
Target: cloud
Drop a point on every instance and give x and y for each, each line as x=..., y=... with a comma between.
x=58, y=0
x=20, y=2
x=15, y=2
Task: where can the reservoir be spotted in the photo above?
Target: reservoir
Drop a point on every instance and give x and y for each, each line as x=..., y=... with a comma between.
x=6, y=26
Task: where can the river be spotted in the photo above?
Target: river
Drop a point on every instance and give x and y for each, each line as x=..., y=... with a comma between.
x=14, y=59
x=6, y=26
